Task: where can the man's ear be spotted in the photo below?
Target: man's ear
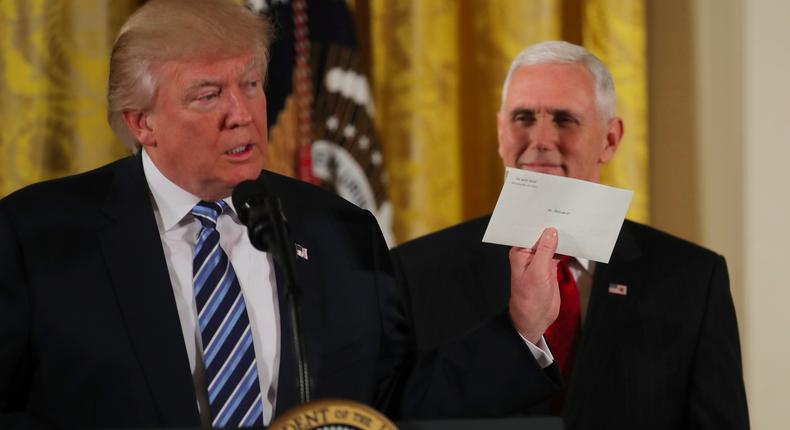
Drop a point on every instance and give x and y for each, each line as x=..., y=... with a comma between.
x=137, y=122
x=614, y=134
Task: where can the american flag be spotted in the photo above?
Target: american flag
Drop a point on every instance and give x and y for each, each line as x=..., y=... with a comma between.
x=301, y=251
x=618, y=289
x=320, y=109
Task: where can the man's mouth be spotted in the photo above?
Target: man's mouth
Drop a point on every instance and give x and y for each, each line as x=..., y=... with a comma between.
x=542, y=167
x=239, y=150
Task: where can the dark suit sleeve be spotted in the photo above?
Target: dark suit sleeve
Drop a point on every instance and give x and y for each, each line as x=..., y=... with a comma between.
x=487, y=372
x=716, y=393
x=15, y=355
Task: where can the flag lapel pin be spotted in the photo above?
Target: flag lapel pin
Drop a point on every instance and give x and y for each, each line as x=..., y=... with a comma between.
x=301, y=252
x=619, y=289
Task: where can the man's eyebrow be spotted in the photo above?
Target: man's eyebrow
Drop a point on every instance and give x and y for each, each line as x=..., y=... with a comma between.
x=562, y=111
x=568, y=114
x=522, y=110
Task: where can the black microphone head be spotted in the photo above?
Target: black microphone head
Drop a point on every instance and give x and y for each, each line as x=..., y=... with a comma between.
x=246, y=195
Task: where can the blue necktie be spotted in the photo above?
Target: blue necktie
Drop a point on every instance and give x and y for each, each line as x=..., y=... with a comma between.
x=234, y=392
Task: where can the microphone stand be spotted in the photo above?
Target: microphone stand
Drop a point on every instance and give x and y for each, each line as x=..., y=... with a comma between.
x=283, y=250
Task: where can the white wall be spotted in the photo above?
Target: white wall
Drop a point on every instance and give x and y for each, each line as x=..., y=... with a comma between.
x=766, y=210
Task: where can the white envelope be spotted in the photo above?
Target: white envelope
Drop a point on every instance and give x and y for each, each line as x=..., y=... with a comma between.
x=587, y=216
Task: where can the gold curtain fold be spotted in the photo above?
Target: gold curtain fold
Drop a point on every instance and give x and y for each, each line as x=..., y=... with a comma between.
x=437, y=68
x=614, y=30
x=415, y=70
x=54, y=59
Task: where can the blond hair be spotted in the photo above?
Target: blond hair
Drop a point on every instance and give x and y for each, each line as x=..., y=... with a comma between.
x=164, y=30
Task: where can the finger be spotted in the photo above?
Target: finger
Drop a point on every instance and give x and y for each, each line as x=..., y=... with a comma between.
x=546, y=247
x=520, y=258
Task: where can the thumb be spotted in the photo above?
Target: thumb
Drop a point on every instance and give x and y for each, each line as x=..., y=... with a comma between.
x=546, y=247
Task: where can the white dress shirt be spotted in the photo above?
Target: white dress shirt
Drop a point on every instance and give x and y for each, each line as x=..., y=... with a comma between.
x=582, y=271
x=178, y=230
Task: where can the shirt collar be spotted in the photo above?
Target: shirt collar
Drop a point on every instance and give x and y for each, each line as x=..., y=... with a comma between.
x=583, y=263
x=173, y=202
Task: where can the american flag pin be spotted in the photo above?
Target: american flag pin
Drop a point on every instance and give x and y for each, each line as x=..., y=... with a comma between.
x=619, y=289
x=301, y=251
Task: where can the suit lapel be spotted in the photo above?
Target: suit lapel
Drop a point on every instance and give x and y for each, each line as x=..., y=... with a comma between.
x=137, y=268
x=606, y=329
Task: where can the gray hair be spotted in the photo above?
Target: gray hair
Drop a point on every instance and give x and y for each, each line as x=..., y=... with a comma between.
x=560, y=52
x=165, y=30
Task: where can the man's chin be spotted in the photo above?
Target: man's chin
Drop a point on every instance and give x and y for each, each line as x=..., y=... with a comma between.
x=250, y=175
x=248, y=172
x=248, y=169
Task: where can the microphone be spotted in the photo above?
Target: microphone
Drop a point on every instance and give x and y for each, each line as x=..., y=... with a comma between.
x=262, y=213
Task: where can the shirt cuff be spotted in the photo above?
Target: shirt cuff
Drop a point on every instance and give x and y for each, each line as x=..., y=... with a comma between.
x=541, y=352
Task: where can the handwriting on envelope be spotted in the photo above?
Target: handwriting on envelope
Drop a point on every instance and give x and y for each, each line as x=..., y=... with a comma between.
x=587, y=216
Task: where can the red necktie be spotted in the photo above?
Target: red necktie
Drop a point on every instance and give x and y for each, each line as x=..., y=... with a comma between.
x=563, y=335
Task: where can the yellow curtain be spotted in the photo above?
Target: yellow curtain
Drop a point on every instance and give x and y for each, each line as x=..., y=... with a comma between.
x=437, y=71
x=614, y=30
x=54, y=59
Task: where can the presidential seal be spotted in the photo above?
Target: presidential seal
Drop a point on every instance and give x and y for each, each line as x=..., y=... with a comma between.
x=332, y=414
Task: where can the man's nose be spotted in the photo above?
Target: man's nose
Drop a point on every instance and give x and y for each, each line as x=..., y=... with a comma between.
x=238, y=110
x=544, y=134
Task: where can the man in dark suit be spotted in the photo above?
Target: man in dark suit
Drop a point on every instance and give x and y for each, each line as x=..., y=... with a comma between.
x=131, y=296
x=653, y=340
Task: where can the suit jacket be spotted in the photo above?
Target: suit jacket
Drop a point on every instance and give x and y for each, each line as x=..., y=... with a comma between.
x=90, y=335
x=664, y=356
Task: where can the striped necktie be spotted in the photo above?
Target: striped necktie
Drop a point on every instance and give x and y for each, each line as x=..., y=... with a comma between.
x=234, y=392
